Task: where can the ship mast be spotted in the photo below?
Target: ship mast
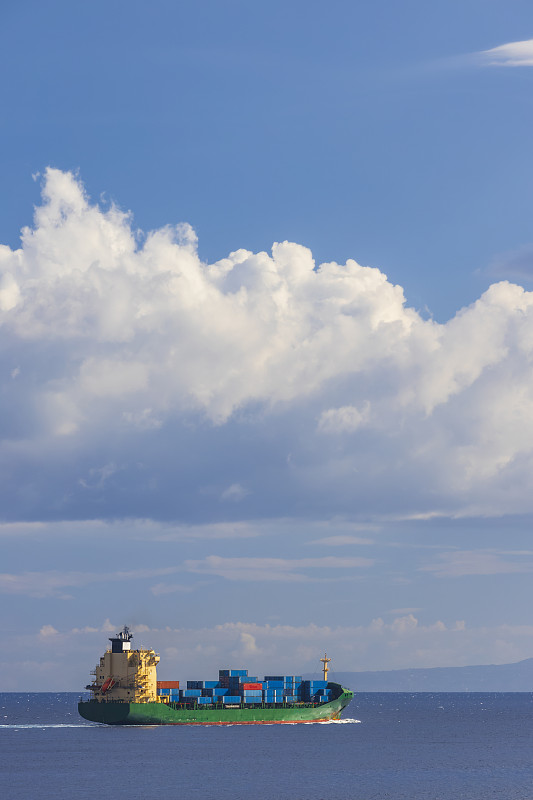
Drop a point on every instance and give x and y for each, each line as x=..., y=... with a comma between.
x=325, y=661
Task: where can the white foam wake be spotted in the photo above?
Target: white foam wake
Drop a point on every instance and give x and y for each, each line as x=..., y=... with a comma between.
x=43, y=725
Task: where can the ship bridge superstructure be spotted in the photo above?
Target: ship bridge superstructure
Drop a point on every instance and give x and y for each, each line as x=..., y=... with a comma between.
x=124, y=674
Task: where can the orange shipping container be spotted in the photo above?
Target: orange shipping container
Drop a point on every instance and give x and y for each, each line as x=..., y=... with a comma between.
x=168, y=684
x=252, y=685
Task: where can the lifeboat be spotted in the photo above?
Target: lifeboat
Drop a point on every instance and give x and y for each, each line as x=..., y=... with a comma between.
x=109, y=683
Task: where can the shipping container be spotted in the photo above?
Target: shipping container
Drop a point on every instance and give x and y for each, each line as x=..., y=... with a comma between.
x=233, y=699
x=192, y=692
x=248, y=685
x=238, y=673
x=195, y=684
x=168, y=684
x=273, y=678
x=211, y=684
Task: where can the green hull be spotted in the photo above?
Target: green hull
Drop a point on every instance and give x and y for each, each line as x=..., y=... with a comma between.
x=174, y=714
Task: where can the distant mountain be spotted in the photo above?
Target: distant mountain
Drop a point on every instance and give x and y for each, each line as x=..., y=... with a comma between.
x=488, y=678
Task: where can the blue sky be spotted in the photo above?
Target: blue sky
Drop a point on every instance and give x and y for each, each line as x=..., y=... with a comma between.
x=267, y=334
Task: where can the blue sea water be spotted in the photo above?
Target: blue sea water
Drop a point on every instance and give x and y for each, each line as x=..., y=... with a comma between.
x=388, y=746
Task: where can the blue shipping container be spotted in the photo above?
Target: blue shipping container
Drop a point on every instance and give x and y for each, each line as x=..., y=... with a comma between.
x=233, y=699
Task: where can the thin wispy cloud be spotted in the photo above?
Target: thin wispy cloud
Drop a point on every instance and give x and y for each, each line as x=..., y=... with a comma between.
x=512, y=54
x=478, y=562
x=137, y=529
x=513, y=265
x=272, y=569
x=53, y=583
x=341, y=540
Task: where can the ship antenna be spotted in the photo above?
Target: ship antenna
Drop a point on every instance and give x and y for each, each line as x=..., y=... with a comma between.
x=325, y=661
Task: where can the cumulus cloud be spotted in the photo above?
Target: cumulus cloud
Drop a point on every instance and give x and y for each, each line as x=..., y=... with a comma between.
x=512, y=54
x=403, y=642
x=47, y=631
x=151, y=384
x=406, y=641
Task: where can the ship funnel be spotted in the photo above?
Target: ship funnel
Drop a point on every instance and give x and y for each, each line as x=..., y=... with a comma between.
x=122, y=641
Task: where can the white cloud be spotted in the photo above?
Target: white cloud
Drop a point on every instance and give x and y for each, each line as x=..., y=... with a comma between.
x=98, y=476
x=234, y=493
x=169, y=588
x=343, y=420
x=47, y=631
x=478, y=562
x=52, y=583
x=136, y=529
x=515, y=264
x=403, y=642
x=271, y=569
x=512, y=54
x=341, y=540
x=316, y=383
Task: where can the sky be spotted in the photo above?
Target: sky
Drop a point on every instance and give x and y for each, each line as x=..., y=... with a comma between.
x=266, y=335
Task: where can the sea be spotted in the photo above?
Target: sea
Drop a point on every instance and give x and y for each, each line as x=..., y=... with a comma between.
x=404, y=746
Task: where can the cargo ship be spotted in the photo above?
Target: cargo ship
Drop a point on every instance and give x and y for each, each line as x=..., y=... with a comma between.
x=125, y=691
